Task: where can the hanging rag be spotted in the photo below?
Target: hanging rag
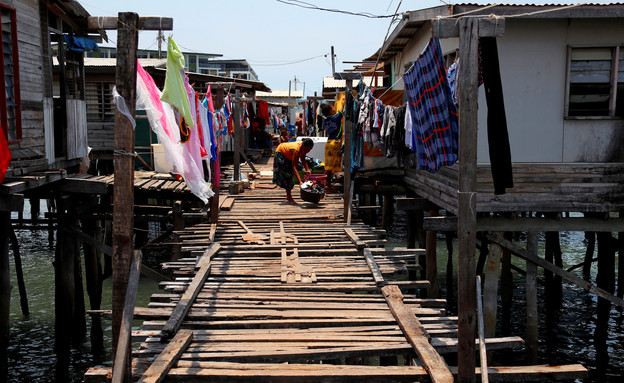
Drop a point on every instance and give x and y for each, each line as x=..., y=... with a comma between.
x=498, y=136
x=175, y=92
x=432, y=109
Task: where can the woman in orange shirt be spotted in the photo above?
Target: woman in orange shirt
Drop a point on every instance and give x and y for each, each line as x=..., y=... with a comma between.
x=287, y=156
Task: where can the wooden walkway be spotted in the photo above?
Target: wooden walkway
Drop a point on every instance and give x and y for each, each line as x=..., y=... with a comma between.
x=275, y=292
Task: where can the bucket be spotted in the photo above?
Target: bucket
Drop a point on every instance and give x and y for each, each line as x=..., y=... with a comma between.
x=320, y=178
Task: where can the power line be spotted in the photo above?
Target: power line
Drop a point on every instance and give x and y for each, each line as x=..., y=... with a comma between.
x=289, y=63
x=303, y=4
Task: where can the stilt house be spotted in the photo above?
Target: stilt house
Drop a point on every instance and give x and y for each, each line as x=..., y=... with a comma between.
x=562, y=72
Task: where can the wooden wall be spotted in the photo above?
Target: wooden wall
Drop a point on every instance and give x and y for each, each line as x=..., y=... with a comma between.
x=29, y=154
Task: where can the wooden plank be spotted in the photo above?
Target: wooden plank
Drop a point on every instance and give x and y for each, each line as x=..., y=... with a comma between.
x=416, y=336
x=184, y=305
x=372, y=265
x=525, y=254
x=125, y=333
x=530, y=224
x=152, y=23
x=490, y=288
x=158, y=370
x=355, y=238
x=228, y=203
x=467, y=197
x=487, y=27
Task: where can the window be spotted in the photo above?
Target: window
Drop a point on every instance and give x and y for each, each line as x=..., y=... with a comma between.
x=595, y=82
x=10, y=111
x=99, y=101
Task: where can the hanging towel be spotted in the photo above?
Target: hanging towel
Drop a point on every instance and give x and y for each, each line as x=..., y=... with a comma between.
x=175, y=83
x=159, y=115
x=498, y=137
x=433, y=113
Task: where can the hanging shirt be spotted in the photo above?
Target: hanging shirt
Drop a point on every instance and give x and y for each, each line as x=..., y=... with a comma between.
x=433, y=112
x=332, y=126
x=174, y=92
x=409, y=134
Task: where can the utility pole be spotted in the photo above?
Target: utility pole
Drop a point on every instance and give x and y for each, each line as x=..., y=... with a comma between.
x=295, y=82
x=333, y=61
x=161, y=37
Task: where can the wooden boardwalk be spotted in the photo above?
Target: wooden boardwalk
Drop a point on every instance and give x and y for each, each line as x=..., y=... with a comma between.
x=276, y=292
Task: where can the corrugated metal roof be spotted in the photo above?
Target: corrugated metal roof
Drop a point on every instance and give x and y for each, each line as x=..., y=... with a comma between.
x=330, y=82
x=412, y=21
x=281, y=93
x=105, y=62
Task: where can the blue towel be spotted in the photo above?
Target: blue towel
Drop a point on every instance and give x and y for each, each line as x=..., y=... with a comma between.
x=81, y=44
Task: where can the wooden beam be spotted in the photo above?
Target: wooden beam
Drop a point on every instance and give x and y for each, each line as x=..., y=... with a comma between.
x=12, y=202
x=531, y=298
x=355, y=239
x=149, y=23
x=488, y=27
x=125, y=333
x=467, y=198
x=416, y=336
x=527, y=255
x=184, y=304
x=490, y=288
x=158, y=370
x=530, y=224
x=238, y=134
x=347, y=76
x=411, y=204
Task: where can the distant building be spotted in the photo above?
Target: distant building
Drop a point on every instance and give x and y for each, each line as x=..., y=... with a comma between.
x=204, y=63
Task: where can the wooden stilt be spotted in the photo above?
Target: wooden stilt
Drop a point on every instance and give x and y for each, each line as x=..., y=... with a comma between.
x=590, y=238
x=450, y=290
x=531, y=299
x=388, y=211
x=65, y=291
x=432, y=261
x=490, y=288
x=554, y=288
x=35, y=209
x=80, y=317
x=5, y=291
x=93, y=276
x=506, y=291
x=605, y=279
x=620, y=249
x=19, y=273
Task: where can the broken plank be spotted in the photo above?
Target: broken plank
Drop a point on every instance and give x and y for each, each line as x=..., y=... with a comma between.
x=372, y=265
x=157, y=372
x=184, y=305
x=416, y=335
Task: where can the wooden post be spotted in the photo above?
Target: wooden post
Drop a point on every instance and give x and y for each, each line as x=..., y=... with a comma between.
x=238, y=133
x=388, y=210
x=64, y=289
x=93, y=274
x=506, y=293
x=214, y=201
x=19, y=273
x=605, y=279
x=347, y=156
x=531, y=299
x=432, y=260
x=467, y=199
x=5, y=290
x=490, y=287
x=178, y=224
x=123, y=208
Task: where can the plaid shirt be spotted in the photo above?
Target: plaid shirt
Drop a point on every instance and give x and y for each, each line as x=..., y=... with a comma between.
x=434, y=117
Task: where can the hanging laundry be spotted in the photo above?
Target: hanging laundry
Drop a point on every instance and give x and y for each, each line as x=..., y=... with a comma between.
x=263, y=112
x=498, y=136
x=174, y=92
x=432, y=109
x=451, y=74
x=161, y=118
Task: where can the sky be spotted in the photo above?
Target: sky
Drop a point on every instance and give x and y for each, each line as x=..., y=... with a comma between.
x=282, y=42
